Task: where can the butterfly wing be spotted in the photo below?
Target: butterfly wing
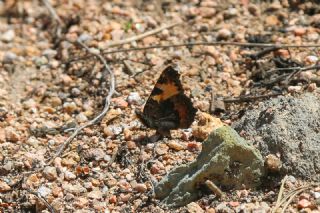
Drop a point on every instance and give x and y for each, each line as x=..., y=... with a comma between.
x=167, y=106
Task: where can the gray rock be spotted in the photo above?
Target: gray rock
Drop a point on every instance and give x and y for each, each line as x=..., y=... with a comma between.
x=226, y=159
x=289, y=127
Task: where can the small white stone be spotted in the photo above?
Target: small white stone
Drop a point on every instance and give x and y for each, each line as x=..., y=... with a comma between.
x=44, y=191
x=81, y=118
x=8, y=36
x=312, y=59
x=316, y=195
x=69, y=175
x=134, y=98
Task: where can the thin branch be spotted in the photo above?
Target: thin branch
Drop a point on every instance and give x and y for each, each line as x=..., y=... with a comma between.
x=141, y=36
x=51, y=209
x=248, y=98
x=240, y=44
x=284, y=180
x=214, y=188
x=288, y=76
x=104, y=110
x=52, y=12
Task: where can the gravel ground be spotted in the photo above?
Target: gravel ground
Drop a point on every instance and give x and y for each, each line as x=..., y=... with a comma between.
x=50, y=85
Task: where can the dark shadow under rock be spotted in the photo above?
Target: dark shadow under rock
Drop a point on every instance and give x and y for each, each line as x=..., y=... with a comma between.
x=226, y=159
x=290, y=128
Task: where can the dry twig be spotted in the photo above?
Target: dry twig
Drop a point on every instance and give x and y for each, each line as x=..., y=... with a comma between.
x=288, y=76
x=141, y=36
x=248, y=98
x=51, y=209
x=214, y=188
x=102, y=113
x=280, y=194
x=52, y=12
x=218, y=43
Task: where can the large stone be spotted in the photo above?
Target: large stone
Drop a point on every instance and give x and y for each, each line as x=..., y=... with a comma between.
x=226, y=159
x=287, y=127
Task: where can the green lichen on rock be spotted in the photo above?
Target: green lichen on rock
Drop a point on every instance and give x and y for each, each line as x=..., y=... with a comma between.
x=226, y=159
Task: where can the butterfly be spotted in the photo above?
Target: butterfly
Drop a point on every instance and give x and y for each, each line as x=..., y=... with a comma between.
x=167, y=107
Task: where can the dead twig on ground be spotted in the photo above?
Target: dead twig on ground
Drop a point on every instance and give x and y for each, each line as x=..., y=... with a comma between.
x=289, y=76
x=141, y=36
x=218, y=43
x=52, y=12
x=262, y=53
x=104, y=110
x=214, y=188
x=248, y=98
x=280, y=193
x=51, y=209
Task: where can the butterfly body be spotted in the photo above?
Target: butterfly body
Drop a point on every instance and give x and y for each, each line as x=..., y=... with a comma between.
x=167, y=107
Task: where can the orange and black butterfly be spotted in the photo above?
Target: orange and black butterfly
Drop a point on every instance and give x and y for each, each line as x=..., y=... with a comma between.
x=167, y=107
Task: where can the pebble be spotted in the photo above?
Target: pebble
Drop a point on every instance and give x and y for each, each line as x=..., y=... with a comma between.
x=81, y=202
x=150, y=40
x=69, y=175
x=117, y=34
x=304, y=203
x=224, y=34
x=222, y=207
x=11, y=134
x=81, y=118
x=194, y=208
x=9, y=57
x=57, y=191
x=294, y=89
x=175, y=145
x=66, y=79
x=140, y=187
x=84, y=37
x=124, y=197
x=95, y=194
x=70, y=107
x=112, y=130
x=49, y=53
x=44, y=191
x=119, y=102
x=50, y=173
x=291, y=179
x=254, y=9
x=131, y=144
x=8, y=36
x=234, y=203
x=40, y=61
x=55, y=101
x=107, y=158
x=2, y=135
x=58, y=204
x=113, y=199
x=29, y=104
x=230, y=13
x=161, y=149
x=75, y=92
x=4, y=187
x=271, y=20
x=99, y=206
x=299, y=31
x=311, y=59
x=73, y=188
x=207, y=12
x=316, y=195
x=134, y=98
